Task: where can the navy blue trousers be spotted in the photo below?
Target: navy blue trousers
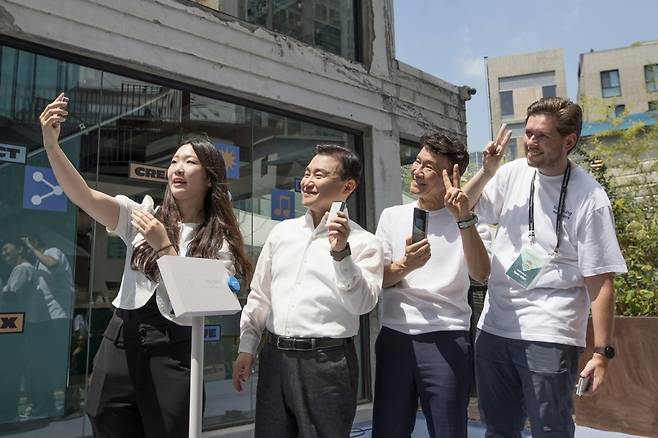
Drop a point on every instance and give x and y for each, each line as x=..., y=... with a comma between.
x=517, y=380
x=435, y=367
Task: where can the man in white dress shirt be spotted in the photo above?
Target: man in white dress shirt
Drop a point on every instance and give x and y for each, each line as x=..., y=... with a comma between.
x=312, y=282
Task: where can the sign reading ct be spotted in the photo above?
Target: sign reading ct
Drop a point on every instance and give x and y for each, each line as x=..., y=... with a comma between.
x=12, y=322
x=148, y=173
x=12, y=153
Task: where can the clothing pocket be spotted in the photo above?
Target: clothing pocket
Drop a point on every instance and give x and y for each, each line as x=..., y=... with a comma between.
x=540, y=357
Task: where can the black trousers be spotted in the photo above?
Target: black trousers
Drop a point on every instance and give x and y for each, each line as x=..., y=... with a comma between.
x=306, y=394
x=141, y=379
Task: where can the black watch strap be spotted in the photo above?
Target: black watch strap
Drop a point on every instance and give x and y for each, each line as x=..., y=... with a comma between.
x=340, y=255
x=607, y=351
x=467, y=223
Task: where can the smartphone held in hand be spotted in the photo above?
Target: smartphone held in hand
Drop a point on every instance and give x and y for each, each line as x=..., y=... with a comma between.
x=419, y=229
x=336, y=206
x=583, y=385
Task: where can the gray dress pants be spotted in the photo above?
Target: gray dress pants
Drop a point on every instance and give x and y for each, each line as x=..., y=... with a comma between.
x=309, y=394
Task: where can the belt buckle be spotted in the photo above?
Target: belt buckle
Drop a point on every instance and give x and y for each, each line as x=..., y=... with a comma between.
x=311, y=348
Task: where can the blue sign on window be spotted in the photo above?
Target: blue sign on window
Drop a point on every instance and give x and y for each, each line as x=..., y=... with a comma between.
x=231, y=156
x=283, y=204
x=41, y=190
x=212, y=333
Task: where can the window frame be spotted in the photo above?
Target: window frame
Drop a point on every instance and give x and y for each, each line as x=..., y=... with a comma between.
x=606, y=76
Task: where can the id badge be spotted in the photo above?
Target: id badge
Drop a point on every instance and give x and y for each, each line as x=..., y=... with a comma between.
x=527, y=266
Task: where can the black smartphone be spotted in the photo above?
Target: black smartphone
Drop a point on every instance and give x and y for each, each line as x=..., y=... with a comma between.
x=419, y=230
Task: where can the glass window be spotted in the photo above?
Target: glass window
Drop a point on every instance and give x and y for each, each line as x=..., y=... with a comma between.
x=619, y=110
x=651, y=77
x=36, y=219
x=327, y=24
x=549, y=91
x=506, y=104
x=115, y=125
x=512, y=147
x=610, y=83
x=532, y=80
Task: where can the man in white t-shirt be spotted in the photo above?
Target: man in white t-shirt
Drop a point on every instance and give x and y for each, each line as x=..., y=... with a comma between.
x=423, y=349
x=543, y=277
x=55, y=286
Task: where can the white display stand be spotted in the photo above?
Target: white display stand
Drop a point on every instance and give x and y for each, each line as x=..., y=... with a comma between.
x=197, y=288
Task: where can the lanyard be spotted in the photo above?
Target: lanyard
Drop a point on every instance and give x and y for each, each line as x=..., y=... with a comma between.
x=560, y=207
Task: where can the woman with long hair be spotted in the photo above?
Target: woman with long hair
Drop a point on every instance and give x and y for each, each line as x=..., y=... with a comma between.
x=140, y=383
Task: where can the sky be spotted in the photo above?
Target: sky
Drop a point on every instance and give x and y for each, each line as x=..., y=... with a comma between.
x=449, y=38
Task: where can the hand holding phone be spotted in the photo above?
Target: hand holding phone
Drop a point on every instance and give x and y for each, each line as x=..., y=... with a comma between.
x=583, y=385
x=335, y=208
x=419, y=229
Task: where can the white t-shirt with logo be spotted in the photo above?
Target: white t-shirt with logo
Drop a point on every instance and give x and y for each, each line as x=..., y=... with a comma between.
x=556, y=308
x=433, y=297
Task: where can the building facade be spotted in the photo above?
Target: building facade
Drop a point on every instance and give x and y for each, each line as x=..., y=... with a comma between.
x=618, y=82
x=515, y=82
x=266, y=80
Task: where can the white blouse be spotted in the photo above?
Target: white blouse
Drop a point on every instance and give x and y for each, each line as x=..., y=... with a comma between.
x=136, y=289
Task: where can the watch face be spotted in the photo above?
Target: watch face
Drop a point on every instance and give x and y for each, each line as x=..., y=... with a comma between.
x=609, y=352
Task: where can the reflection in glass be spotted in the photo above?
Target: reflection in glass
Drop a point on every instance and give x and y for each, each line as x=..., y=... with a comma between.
x=327, y=24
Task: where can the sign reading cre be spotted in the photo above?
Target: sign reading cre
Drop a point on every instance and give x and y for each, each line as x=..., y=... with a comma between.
x=12, y=322
x=148, y=173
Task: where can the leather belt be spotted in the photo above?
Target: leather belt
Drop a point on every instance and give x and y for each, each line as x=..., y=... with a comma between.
x=287, y=343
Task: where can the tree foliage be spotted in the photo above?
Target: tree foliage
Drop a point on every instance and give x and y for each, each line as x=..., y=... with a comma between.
x=624, y=160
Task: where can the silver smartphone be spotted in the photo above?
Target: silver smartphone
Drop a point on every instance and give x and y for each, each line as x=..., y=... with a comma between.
x=583, y=385
x=336, y=206
x=419, y=229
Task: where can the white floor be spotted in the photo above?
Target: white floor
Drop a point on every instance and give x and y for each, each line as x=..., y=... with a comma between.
x=476, y=430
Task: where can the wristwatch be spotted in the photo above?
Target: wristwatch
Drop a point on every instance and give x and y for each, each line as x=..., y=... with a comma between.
x=606, y=351
x=340, y=255
x=467, y=223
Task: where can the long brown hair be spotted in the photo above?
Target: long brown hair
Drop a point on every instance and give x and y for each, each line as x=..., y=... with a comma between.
x=219, y=223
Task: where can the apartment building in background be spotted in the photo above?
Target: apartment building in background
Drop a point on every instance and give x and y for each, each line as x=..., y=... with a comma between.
x=514, y=82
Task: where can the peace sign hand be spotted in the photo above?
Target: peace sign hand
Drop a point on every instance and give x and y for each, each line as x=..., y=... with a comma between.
x=495, y=150
x=455, y=200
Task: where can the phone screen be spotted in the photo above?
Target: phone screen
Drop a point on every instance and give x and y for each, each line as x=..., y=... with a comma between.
x=419, y=230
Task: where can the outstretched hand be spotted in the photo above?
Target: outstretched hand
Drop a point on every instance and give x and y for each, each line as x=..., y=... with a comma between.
x=455, y=200
x=495, y=150
x=53, y=115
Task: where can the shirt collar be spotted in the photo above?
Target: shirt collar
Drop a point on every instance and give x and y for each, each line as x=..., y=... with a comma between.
x=308, y=222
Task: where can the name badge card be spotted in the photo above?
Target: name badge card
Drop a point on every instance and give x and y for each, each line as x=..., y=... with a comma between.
x=527, y=266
